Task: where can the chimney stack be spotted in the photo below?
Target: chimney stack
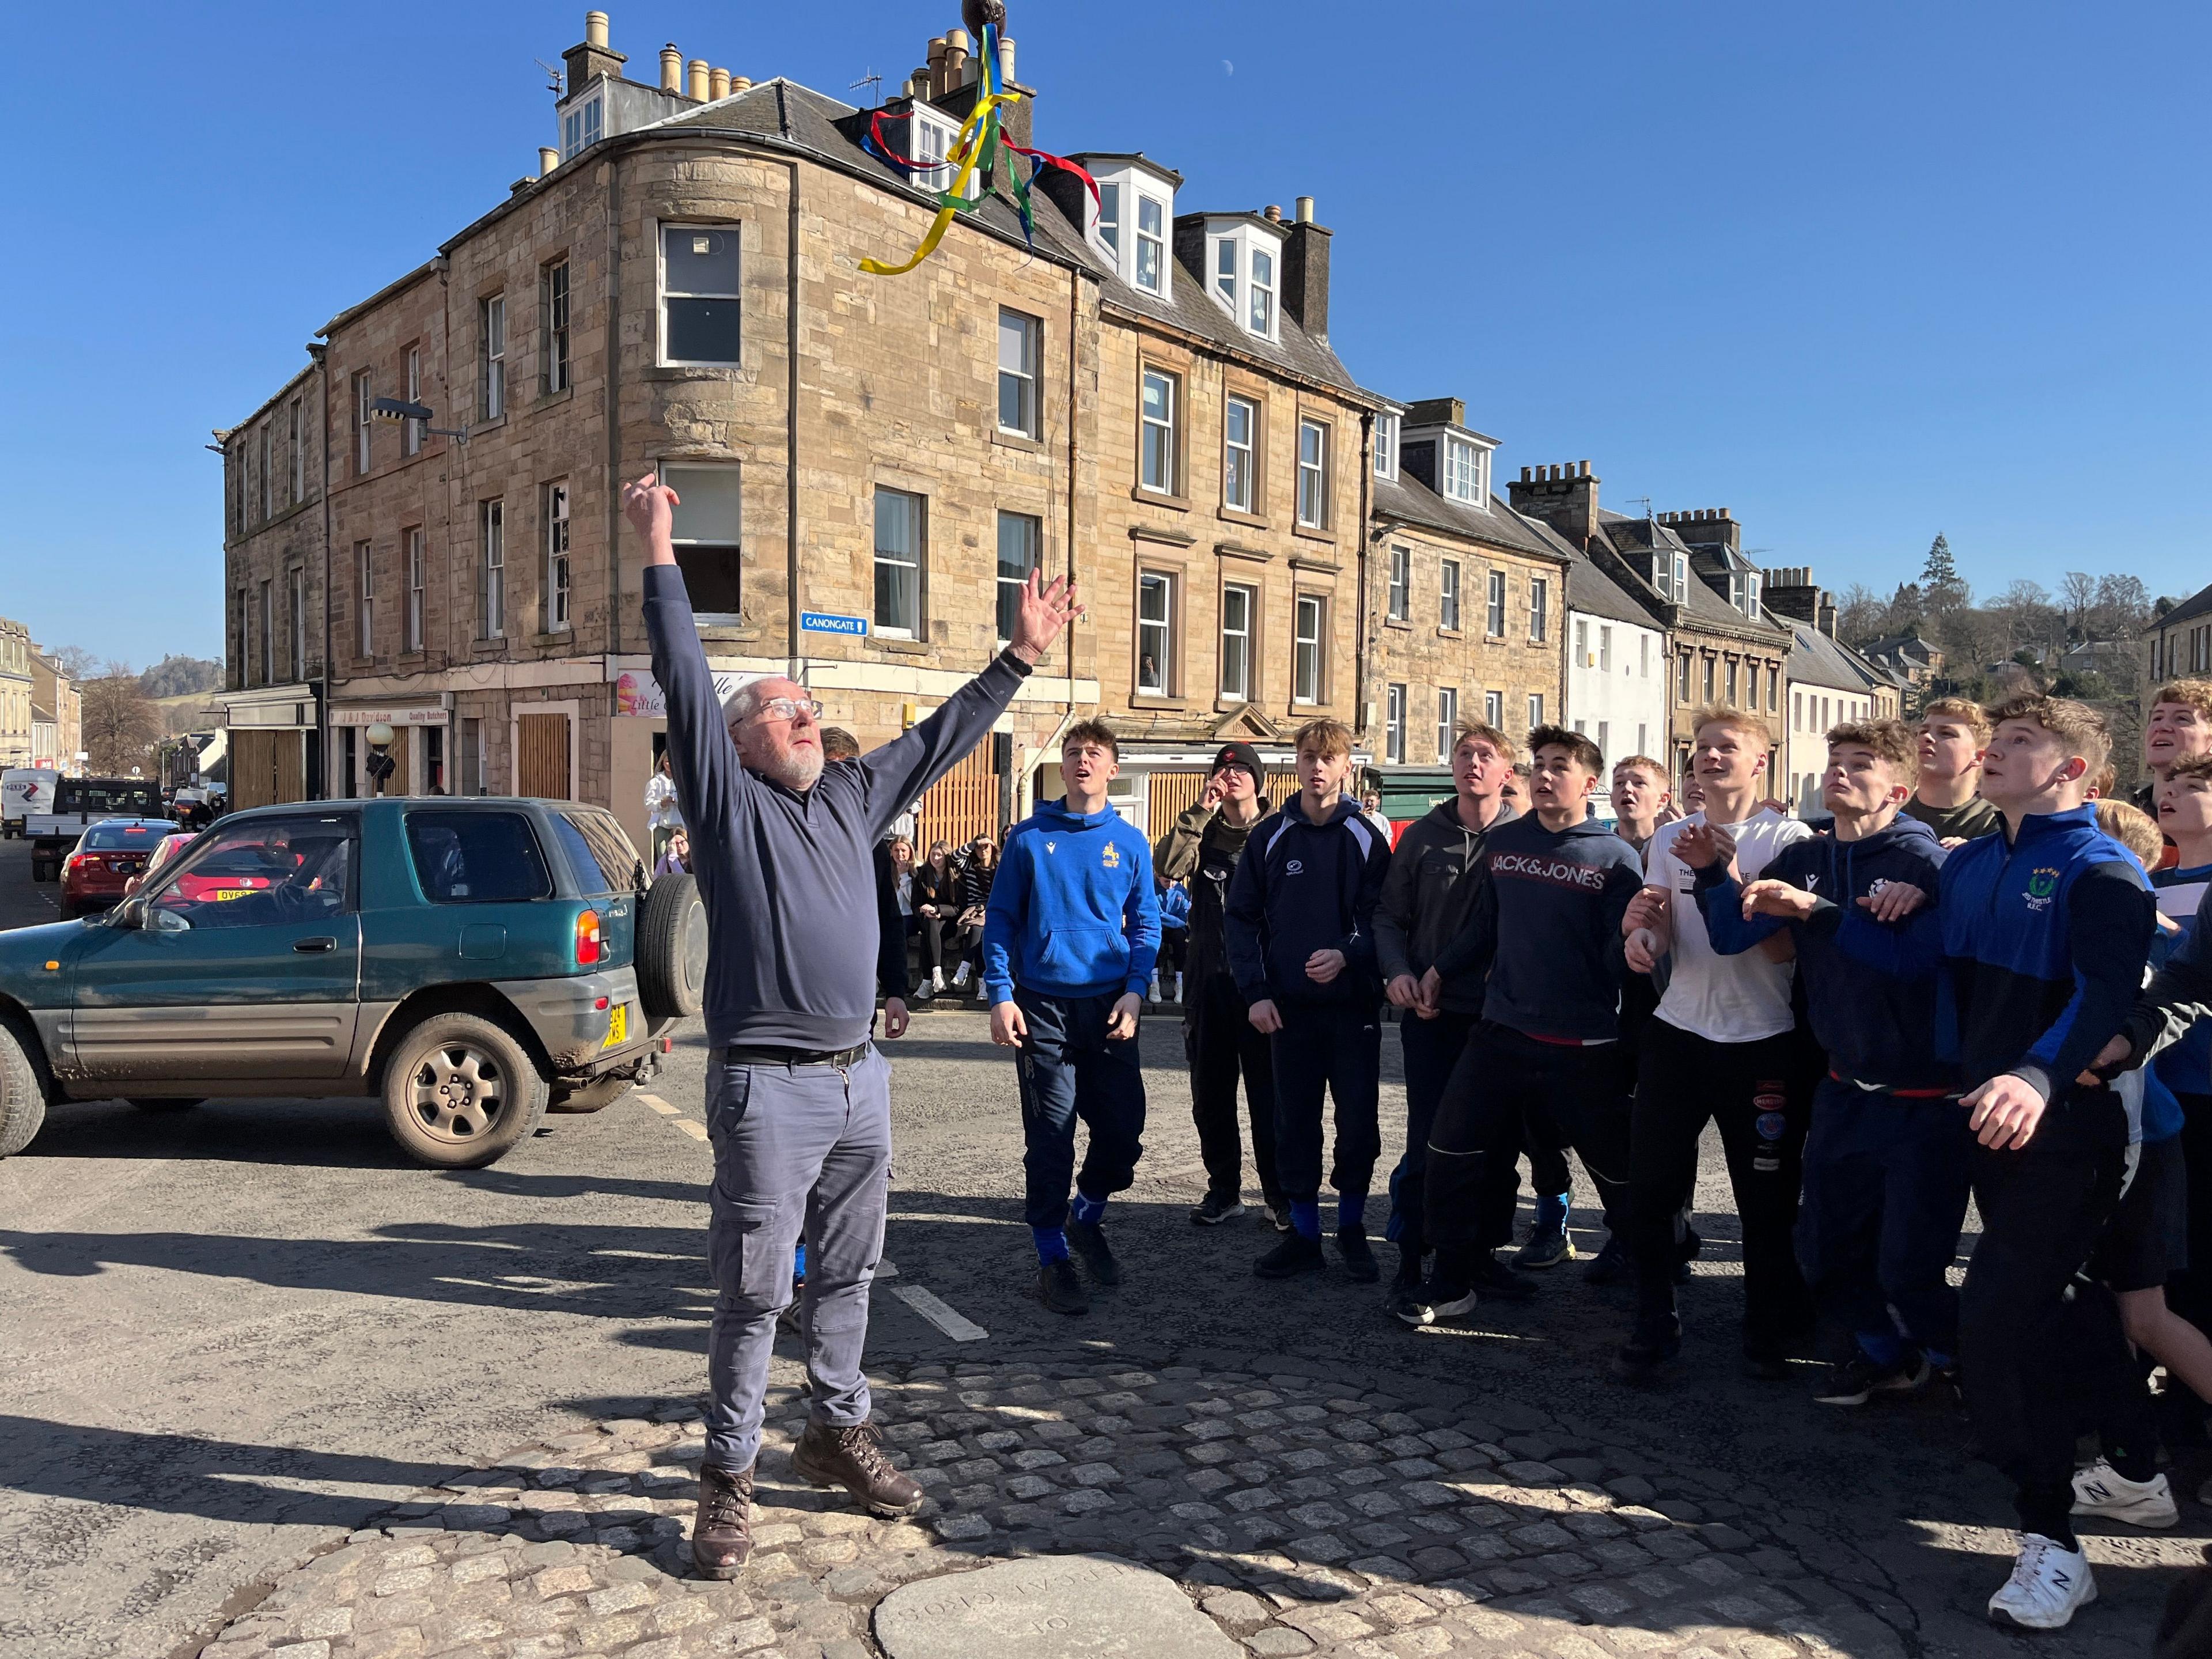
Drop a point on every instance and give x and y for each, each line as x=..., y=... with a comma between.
x=671, y=69
x=699, y=79
x=1791, y=592
x=718, y=84
x=547, y=159
x=594, y=58
x=1709, y=526
x=1305, y=271
x=1564, y=497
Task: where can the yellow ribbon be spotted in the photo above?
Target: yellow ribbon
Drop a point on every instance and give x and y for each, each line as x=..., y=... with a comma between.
x=968, y=150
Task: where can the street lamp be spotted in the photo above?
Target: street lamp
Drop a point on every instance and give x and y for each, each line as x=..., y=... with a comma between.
x=380, y=765
x=396, y=409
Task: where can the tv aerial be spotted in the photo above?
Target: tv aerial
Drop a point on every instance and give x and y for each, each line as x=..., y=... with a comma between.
x=553, y=74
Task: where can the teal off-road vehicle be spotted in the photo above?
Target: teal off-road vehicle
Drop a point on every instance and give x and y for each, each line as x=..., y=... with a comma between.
x=473, y=963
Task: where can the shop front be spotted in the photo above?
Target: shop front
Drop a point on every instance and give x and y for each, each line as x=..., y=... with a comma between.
x=273, y=745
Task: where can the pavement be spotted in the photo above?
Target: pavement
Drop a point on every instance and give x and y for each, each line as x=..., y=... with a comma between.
x=268, y=1388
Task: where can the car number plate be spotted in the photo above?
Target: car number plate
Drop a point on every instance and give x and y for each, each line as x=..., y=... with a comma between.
x=232, y=892
x=617, y=1026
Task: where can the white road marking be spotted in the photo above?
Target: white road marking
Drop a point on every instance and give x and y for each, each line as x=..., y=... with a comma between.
x=697, y=1131
x=656, y=1103
x=960, y=1329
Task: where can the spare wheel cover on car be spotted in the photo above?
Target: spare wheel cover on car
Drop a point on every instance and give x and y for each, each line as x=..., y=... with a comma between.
x=672, y=949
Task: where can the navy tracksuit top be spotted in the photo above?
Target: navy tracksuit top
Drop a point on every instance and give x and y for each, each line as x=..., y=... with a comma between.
x=1302, y=887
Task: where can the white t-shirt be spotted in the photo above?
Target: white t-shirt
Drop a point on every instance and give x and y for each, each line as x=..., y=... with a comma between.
x=1737, y=998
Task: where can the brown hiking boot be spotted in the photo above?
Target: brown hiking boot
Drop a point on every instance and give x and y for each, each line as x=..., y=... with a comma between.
x=722, y=1528
x=853, y=1459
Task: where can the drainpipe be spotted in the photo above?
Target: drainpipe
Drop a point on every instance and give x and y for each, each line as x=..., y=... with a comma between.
x=611, y=375
x=1361, y=637
x=791, y=427
x=320, y=789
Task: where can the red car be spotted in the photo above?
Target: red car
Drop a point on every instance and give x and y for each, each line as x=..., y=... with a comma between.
x=168, y=848
x=111, y=852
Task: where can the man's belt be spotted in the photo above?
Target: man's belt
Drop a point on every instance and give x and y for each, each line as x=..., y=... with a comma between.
x=739, y=1054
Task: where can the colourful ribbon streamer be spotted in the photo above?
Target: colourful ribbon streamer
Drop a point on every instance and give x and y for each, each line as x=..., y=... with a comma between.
x=972, y=149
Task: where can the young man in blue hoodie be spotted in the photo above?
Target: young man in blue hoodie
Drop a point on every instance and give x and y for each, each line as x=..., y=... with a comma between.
x=1885, y=1159
x=1069, y=941
x=1300, y=932
x=2042, y=932
x=1543, y=937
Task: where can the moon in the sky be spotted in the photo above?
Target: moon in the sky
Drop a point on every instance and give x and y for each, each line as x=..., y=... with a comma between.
x=1228, y=68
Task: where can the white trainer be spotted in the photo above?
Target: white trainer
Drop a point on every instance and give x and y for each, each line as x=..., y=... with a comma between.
x=2048, y=1583
x=960, y=977
x=2100, y=1489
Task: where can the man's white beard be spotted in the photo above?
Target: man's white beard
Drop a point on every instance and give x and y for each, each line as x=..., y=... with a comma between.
x=799, y=769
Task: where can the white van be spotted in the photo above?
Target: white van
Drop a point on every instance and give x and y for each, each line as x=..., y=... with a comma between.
x=24, y=790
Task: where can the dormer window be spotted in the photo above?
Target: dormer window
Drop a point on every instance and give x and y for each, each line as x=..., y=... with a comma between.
x=1467, y=471
x=1743, y=592
x=582, y=126
x=1241, y=262
x=1386, y=446
x=931, y=142
x=1674, y=577
x=1152, y=244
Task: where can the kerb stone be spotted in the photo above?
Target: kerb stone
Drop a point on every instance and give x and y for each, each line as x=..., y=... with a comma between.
x=1056, y=1607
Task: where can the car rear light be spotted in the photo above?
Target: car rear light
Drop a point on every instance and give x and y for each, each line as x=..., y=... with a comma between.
x=79, y=861
x=600, y=1006
x=587, y=938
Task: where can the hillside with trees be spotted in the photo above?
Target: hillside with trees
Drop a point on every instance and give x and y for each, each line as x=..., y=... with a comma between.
x=2081, y=642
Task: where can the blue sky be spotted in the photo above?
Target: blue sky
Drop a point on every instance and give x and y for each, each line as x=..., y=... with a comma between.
x=1860, y=272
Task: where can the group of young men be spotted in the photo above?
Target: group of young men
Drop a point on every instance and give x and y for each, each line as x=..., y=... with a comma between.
x=1940, y=991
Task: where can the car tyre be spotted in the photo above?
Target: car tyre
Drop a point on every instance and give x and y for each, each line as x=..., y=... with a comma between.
x=672, y=949
x=22, y=1095
x=459, y=1092
x=41, y=870
x=595, y=1095
x=148, y=1103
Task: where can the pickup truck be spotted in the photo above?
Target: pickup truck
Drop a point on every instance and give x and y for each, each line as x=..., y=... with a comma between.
x=80, y=802
x=470, y=964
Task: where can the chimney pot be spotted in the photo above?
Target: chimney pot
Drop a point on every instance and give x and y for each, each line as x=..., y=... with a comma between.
x=740, y=83
x=1005, y=62
x=1304, y=210
x=595, y=28
x=671, y=69
x=718, y=83
x=699, y=79
x=1272, y=214
x=1524, y=475
x=1585, y=470
x=956, y=61
x=547, y=159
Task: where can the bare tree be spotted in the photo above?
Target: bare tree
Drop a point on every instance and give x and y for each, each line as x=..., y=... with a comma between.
x=2123, y=609
x=120, y=722
x=2077, y=597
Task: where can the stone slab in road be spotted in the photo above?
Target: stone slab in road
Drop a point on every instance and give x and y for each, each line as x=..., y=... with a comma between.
x=1047, y=1607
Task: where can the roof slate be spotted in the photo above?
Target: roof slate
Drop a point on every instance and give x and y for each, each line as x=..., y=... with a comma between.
x=2198, y=604
x=1410, y=500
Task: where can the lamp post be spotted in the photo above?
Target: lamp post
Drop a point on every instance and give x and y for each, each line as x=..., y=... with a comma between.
x=381, y=767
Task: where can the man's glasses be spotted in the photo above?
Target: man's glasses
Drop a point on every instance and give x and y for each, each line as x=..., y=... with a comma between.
x=790, y=708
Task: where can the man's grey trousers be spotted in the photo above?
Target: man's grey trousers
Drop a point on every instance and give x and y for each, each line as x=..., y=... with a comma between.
x=798, y=1150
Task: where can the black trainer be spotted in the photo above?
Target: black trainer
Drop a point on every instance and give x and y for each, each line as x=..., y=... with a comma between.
x=1278, y=1210
x=1060, y=1289
x=1215, y=1208
x=1495, y=1282
x=1434, y=1299
x=1855, y=1381
x=1611, y=1266
x=1656, y=1340
x=1295, y=1254
x=1088, y=1240
x=1358, y=1255
x=1403, y=1301
x=1764, y=1359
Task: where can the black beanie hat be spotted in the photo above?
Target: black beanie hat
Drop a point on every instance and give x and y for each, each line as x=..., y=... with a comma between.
x=1243, y=754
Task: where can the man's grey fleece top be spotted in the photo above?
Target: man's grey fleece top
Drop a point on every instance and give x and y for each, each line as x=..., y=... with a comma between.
x=788, y=878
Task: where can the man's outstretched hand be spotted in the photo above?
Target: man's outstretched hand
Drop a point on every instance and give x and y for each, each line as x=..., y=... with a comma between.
x=650, y=506
x=1045, y=609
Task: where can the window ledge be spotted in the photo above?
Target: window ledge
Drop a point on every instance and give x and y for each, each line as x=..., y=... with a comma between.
x=1237, y=515
x=1443, y=633
x=1238, y=551
x=728, y=633
x=1160, y=498
x=492, y=425
x=559, y=636
x=549, y=399
x=1312, y=534
x=1146, y=532
x=690, y=371
x=1155, y=700
x=899, y=645
x=1398, y=622
x=411, y=659
x=362, y=665
x=482, y=648
x=1017, y=440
